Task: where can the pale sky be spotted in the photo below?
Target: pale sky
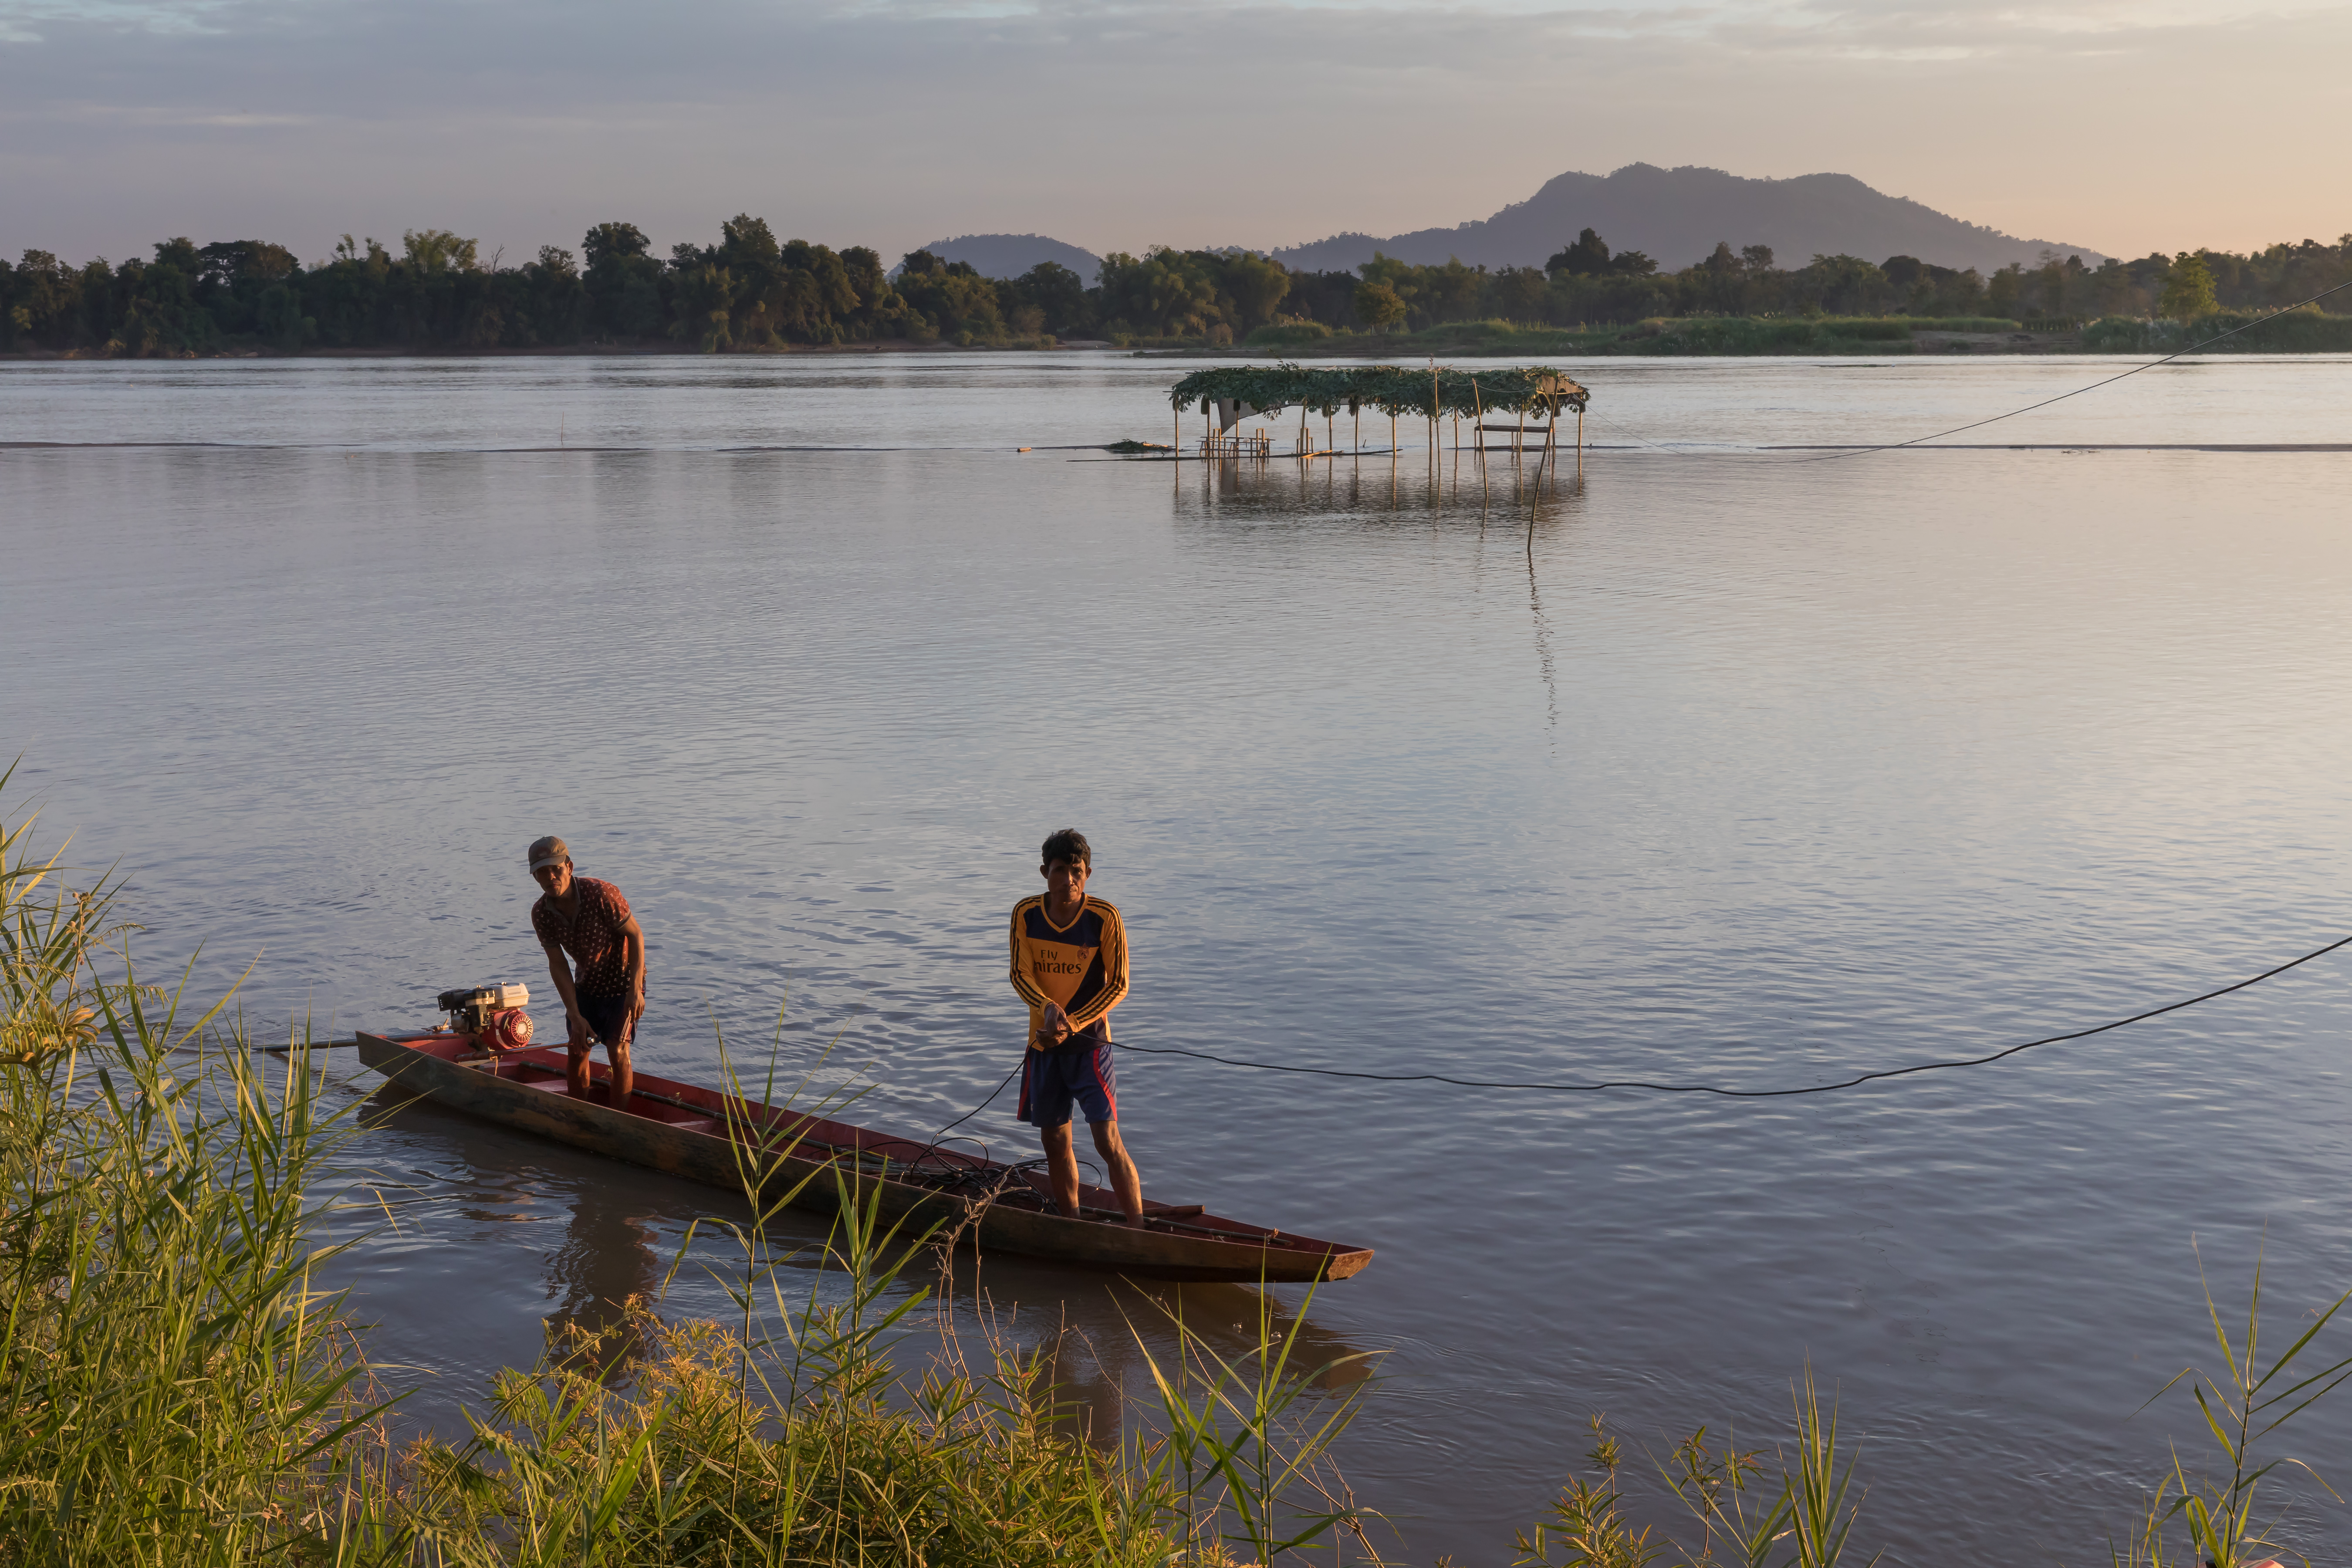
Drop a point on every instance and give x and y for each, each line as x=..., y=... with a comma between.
x=2160, y=125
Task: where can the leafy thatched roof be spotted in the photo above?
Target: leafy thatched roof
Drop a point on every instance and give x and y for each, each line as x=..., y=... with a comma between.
x=1387, y=388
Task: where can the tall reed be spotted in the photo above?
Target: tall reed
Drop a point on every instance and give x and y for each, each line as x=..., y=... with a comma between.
x=175, y=1388
x=2242, y=1409
x=1245, y=1446
x=679, y=1466
x=1806, y=1523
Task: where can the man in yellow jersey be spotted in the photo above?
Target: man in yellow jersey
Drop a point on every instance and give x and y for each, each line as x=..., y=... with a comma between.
x=1069, y=964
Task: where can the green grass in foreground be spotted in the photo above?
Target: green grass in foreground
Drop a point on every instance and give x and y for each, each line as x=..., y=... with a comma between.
x=176, y=1390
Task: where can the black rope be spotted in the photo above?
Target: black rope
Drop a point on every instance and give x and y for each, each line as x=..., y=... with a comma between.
x=1622, y=430
x=2234, y=331
x=1749, y=1093
x=976, y=1110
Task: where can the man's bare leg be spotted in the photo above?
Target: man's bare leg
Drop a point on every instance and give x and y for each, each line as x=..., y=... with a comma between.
x=576, y=1076
x=1123, y=1179
x=1060, y=1167
x=624, y=1079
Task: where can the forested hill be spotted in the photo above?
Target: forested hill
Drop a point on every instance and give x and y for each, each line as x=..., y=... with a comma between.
x=1011, y=254
x=1678, y=215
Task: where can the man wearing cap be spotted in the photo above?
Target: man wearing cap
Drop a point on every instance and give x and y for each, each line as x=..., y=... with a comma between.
x=589, y=921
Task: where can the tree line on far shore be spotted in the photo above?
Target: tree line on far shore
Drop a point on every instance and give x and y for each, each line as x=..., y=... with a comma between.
x=750, y=291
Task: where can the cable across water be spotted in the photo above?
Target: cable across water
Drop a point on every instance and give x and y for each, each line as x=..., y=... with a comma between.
x=2110, y=381
x=1855, y=1081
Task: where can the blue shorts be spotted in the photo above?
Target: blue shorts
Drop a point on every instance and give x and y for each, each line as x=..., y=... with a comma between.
x=1051, y=1081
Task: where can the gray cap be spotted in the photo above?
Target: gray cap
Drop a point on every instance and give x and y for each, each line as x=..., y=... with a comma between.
x=548, y=851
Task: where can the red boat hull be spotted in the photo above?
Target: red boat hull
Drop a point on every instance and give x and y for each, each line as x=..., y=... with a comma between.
x=727, y=1142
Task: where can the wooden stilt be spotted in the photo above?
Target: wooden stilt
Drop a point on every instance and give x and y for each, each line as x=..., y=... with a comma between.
x=1433, y=411
x=1549, y=427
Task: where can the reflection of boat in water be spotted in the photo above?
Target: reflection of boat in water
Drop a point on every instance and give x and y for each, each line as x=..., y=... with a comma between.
x=606, y=1262
x=722, y=1140
x=1230, y=1319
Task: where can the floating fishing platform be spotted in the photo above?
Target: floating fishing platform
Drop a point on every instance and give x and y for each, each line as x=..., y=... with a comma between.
x=1534, y=396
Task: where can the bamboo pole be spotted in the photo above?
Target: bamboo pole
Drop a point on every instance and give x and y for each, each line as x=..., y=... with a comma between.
x=1550, y=428
x=1478, y=423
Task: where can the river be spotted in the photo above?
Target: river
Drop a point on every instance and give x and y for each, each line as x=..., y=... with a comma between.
x=1733, y=768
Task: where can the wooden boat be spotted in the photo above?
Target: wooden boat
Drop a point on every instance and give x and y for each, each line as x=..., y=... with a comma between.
x=717, y=1139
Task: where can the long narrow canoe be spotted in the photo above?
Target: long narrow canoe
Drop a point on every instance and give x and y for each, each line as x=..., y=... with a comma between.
x=719, y=1138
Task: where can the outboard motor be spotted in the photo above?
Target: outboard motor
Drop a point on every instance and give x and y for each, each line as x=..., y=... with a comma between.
x=493, y=1015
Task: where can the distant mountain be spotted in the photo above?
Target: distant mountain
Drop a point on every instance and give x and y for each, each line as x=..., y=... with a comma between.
x=1011, y=254
x=1676, y=215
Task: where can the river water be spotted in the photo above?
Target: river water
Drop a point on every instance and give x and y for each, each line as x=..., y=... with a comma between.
x=1732, y=769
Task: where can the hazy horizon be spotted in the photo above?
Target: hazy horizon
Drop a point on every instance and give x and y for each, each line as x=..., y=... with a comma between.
x=1114, y=127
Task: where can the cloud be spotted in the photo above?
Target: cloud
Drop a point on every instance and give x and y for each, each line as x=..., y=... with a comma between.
x=890, y=121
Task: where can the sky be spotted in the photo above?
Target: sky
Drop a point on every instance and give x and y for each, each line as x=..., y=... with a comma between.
x=2127, y=127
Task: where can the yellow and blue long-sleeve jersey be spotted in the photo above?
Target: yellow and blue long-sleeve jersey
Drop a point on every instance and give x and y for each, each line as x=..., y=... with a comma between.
x=1081, y=966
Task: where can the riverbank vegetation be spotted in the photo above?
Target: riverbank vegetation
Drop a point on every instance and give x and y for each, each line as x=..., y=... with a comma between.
x=2293, y=331
x=751, y=292
x=174, y=1388
x=178, y=1389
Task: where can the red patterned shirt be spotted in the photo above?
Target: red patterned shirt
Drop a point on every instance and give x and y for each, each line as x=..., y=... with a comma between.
x=592, y=934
